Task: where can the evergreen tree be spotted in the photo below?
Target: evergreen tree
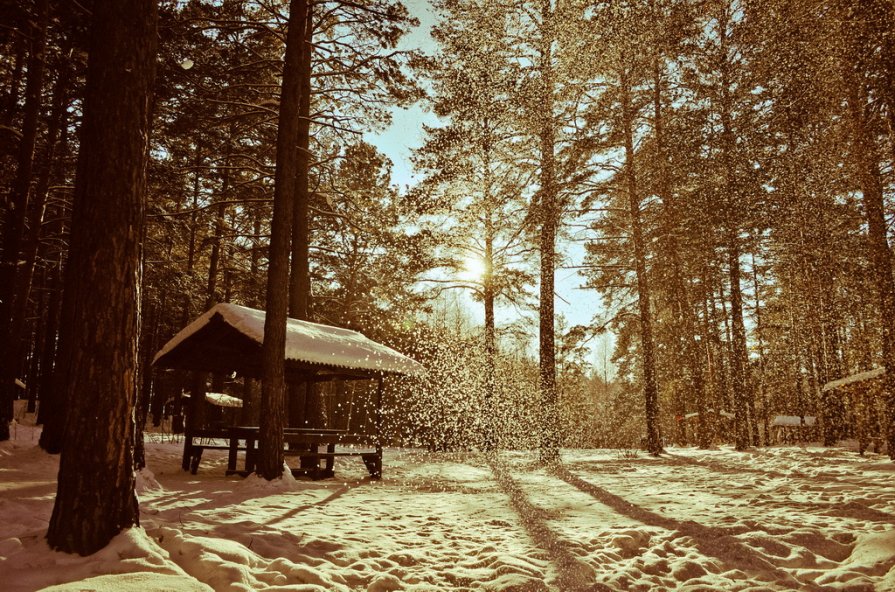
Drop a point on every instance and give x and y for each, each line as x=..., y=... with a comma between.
x=97, y=369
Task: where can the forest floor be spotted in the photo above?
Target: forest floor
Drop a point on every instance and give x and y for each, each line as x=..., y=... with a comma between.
x=783, y=518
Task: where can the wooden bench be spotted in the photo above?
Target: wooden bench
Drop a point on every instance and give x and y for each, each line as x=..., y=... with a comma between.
x=303, y=443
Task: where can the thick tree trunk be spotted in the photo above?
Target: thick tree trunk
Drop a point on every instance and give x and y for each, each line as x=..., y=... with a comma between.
x=273, y=383
x=97, y=369
x=647, y=346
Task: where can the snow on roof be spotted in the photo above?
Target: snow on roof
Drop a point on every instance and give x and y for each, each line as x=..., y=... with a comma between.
x=859, y=377
x=307, y=342
x=794, y=420
x=223, y=400
x=722, y=413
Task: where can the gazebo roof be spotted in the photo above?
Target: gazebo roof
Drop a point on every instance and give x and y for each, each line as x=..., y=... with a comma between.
x=227, y=338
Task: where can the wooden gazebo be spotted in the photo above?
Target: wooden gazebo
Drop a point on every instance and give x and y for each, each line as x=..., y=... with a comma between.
x=862, y=392
x=227, y=339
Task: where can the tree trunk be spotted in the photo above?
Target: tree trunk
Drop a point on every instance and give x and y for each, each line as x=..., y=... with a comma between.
x=37, y=345
x=214, y=259
x=304, y=404
x=738, y=353
x=488, y=298
x=97, y=371
x=149, y=346
x=51, y=435
x=761, y=359
x=273, y=383
x=647, y=347
x=866, y=164
x=300, y=272
x=14, y=221
x=25, y=274
x=12, y=97
x=688, y=345
x=550, y=438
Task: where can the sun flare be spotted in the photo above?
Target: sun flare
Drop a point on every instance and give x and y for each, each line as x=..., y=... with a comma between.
x=473, y=268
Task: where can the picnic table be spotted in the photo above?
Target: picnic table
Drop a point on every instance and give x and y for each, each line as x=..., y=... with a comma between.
x=304, y=443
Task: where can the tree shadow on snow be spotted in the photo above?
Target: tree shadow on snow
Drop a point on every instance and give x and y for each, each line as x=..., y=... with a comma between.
x=714, y=542
x=572, y=574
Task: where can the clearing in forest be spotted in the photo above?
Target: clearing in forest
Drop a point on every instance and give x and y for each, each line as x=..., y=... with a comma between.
x=786, y=518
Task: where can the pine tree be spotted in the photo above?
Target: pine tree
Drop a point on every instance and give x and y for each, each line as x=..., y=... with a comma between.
x=273, y=352
x=100, y=323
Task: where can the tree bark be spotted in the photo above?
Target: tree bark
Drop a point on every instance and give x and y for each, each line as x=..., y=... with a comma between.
x=97, y=370
x=304, y=405
x=647, y=346
x=300, y=272
x=48, y=413
x=766, y=429
x=488, y=297
x=273, y=383
x=550, y=438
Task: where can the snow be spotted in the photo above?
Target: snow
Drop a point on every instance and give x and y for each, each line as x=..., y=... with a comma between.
x=722, y=413
x=306, y=342
x=223, y=400
x=794, y=420
x=785, y=518
x=859, y=377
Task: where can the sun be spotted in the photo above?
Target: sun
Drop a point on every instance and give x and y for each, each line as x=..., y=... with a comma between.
x=473, y=269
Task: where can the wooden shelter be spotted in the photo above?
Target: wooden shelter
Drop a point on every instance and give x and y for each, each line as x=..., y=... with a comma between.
x=227, y=340
x=861, y=392
x=789, y=429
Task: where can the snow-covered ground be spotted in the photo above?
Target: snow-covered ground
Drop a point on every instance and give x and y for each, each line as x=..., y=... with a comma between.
x=786, y=518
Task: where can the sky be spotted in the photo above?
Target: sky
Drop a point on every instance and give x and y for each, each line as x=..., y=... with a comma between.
x=579, y=306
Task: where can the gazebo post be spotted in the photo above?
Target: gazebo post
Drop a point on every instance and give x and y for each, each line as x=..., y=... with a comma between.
x=378, y=472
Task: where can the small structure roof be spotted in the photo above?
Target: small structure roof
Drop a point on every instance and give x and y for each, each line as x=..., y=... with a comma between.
x=722, y=413
x=223, y=400
x=794, y=420
x=228, y=337
x=859, y=377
